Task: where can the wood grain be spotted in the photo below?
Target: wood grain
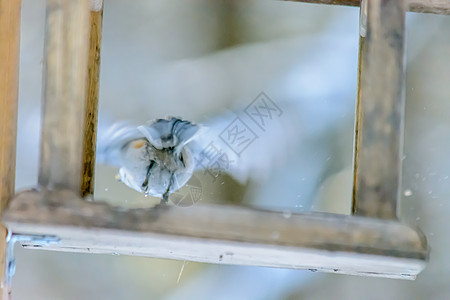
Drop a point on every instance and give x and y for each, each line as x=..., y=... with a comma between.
x=441, y=7
x=224, y=234
x=9, y=85
x=380, y=112
x=91, y=104
x=64, y=88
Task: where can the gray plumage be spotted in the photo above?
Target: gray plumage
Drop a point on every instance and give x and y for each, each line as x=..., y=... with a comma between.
x=154, y=158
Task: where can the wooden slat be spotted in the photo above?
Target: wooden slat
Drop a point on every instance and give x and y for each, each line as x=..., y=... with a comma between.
x=91, y=102
x=224, y=234
x=9, y=84
x=422, y=6
x=441, y=7
x=64, y=88
x=380, y=111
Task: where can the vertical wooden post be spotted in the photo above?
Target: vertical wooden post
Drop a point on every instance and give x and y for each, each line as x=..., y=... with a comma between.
x=91, y=102
x=9, y=84
x=380, y=111
x=64, y=89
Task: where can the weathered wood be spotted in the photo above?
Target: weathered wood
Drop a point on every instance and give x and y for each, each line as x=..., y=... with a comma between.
x=441, y=7
x=380, y=112
x=330, y=2
x=91, y=102
x=9, y=85
x=224, y=234
x=64, y=88
x=430, y=6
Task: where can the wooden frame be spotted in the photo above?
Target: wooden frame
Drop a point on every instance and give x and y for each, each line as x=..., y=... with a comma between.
x=380, y=111
x=224, y=234
x=441, y=7
x=9, y=86
x=371, y=242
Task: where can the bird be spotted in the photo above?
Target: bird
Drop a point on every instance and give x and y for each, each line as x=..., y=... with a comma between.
x=155, y=158
x=286, y=125
x=159, y=157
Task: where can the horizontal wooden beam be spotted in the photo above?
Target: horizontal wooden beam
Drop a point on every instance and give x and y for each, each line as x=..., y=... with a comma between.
x=223, y=234
x=441, y=7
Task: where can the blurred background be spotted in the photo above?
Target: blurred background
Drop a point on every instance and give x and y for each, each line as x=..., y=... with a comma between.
x=201, y=59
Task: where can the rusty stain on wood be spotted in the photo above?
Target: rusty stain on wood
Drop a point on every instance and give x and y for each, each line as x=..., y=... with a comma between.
x=421, y=6
x=91, y=104
x=9, y=86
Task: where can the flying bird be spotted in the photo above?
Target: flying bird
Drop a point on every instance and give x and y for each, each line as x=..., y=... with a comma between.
x=158, y=158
